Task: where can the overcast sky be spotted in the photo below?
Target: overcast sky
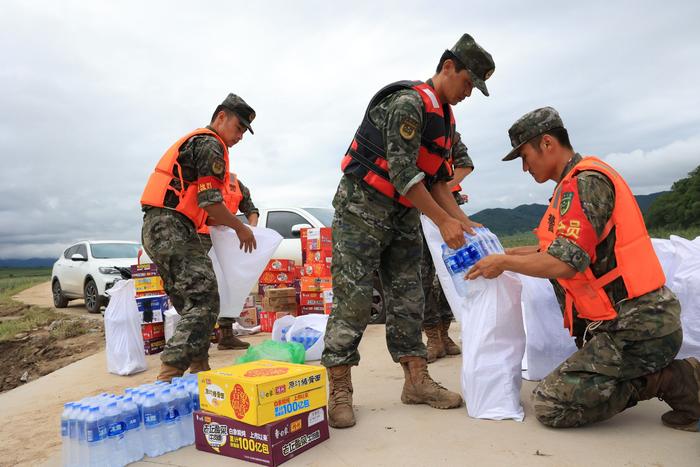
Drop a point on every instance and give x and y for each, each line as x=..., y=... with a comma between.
x=92, y=93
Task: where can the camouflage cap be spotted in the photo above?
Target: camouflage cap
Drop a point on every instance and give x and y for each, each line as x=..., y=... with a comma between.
x=476, y=60
x=237, y=105
x=530, y=125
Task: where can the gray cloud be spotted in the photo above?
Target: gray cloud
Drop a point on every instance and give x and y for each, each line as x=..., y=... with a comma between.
x=93, y=93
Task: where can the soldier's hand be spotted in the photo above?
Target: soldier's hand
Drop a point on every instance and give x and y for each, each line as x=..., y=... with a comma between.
x=452, y=232
x=489, y=267
x=468, y=226
x=245, y=235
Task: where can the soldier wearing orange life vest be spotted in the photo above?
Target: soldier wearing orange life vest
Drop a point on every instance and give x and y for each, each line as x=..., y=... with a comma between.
x=595, y=247
x=186, y=191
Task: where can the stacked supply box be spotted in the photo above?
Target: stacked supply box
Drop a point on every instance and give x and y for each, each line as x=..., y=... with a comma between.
x=315, y=283
x=152, y=303
x=277, y=303
x=249, y=316
x=265, y=412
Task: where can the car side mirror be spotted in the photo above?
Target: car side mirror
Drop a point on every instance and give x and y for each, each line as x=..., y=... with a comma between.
x=78, y=257
x=296, y=229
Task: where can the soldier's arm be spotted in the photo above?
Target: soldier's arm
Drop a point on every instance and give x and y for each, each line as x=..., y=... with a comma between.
x=461, y=162
x=246, y=206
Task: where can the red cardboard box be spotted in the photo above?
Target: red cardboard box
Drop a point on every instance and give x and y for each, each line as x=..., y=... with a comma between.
x=248, y=317
x=153, y=346
x=319, y=239
x=311, y=298
x=312, y=309
x=324, y=257
x=153, y=331
x=316, y=270
x=271, y=444
x=276, y=277
x=267, y=320
x=315, y=284
x=280, y=265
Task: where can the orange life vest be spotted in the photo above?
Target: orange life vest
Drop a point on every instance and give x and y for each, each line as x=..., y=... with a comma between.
x=232, y=200
x=168, y=169
x=637, y=263
x=366, y=156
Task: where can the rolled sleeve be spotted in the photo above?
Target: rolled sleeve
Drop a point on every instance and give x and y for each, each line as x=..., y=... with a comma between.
x=460, y=154
x=246, y=205
x=401, y=152
x=211, y=170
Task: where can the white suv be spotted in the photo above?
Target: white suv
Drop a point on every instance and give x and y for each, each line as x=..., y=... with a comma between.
x=87, y=269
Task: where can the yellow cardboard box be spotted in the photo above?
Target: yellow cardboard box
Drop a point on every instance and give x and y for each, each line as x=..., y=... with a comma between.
x=148, y=284
x=263, y=391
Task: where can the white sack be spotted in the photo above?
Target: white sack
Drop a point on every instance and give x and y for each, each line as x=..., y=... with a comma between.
x=686, y=285
x=287, y=327
x=548, y=342
x=493, y=337
x=237, y=271
x=171, y=318
x=124, y=341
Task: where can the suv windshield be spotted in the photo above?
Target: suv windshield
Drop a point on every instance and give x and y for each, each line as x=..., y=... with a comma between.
x=114, y=250
x=325, y=215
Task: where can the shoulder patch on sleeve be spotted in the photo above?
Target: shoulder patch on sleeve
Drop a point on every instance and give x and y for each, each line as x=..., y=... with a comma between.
x=218, y=166
x=407, y=128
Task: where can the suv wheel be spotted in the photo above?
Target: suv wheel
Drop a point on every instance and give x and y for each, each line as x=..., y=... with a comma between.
x=59, y=300
x=93, y=301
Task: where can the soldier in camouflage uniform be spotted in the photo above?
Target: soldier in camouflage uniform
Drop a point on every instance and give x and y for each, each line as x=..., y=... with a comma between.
x=227, y=339
x=375, y=231
x=170, y=237
x=438, y=315
x=622, y=360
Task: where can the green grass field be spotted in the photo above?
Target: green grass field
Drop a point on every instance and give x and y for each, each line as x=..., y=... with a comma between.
x=528, y=238
x=14, y=280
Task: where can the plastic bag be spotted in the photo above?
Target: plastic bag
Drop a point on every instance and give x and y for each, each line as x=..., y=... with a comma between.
x=124, y=341
x=686, y=284
x=171, y=318
x=547, y=342
x=237, y=271
x=308, y=330
x=272, y=350
x=493, y=337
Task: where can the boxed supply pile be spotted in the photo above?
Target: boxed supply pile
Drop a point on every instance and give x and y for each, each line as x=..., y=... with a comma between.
x=265, y=411
x=152, y=303
x=277, y=303
x=317, y=253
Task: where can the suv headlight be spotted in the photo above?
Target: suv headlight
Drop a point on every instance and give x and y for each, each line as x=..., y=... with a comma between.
x=108, y=270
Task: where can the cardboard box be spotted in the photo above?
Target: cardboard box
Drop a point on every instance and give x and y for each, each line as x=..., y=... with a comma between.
x=319, y=238
x=248, y=317
x=267, y=320
x=270, y=444
x=250, y=301
x=316, y=270
x=311, y=299
x=319, y=257
x=310, y=310
x=153, y=346
x=315, y=284
x=263, y=391
x=148, y=284
x=276, y=301
x=143, y=270
x=328, y=301
x=156, y=304
x=288, y=308
x=151, y=331
x=281, y=292
x=284, y=265
x=276, y=277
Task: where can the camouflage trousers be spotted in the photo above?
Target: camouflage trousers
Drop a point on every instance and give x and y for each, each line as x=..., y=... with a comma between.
x=603, y=378
x=223, y=321
x=437, y=310
x=373, y=233
x=171, y=241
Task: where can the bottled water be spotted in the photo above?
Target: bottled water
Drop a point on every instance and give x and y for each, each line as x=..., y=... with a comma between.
x=134, y=430
x=459, y=261
x=184, y=405
x=307, y=337
x=171, y=420
x=82, y=416
x=96, y=435
x=194, y=394
x=66, y=444
x=116, y=428
x=152, y=439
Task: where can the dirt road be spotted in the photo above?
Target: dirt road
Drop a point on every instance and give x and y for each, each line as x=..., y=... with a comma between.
x=40, y=295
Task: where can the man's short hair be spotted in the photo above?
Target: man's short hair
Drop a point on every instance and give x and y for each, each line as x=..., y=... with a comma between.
x=229, y=113
x=560, y=134
x=448, y=55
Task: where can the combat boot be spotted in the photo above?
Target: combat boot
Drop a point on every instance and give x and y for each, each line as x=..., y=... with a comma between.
x=229, y=341
x=340, y=413
x=167, y=373
x=451, y=348
x=436, y=348
x=679, y=386
x=199, y=365
x=419, y=387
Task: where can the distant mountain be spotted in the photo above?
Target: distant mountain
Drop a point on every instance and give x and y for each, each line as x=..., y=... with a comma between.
x=527, y=216
x=27, y=263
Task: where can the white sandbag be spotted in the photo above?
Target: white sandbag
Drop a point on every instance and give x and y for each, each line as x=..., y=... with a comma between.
x=493, y=337
x=547, y=342
x=171, y=318
x=666, y=252
x=238, y=271
x=303, y=329
x=124, y=341
x=686, y=285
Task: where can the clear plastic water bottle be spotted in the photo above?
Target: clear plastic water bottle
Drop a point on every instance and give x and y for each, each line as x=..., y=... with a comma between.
x=66, y=444
x=74, y=432
x=96, y=435
x=455, y=268
x=171, y=420
x=116, y=428
x=82, y=412
x=194, y=394
x=184, y=405
x=152, y=439
x=134, y=430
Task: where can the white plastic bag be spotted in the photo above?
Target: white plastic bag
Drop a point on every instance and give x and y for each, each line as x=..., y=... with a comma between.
x=686, y=285
x=124, y=341
x=171, y=318
x=238, y=271
x=295, y=329
x=493, y=337
x=548, y=342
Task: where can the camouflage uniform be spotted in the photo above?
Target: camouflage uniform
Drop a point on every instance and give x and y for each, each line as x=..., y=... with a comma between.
x=372, y=232
x=437, y=310
x=172, y=242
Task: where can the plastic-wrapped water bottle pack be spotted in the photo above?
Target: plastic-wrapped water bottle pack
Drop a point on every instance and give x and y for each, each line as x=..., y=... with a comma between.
x=477, y=246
